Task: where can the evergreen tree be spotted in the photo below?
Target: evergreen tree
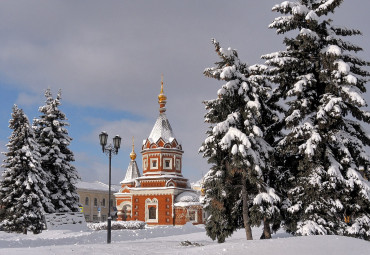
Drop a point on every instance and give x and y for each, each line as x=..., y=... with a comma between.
x=56, y=157
x=237, y=149
x=23, y=191
x=323, y=148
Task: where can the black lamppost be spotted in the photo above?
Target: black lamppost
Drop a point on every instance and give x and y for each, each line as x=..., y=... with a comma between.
x=103, y=137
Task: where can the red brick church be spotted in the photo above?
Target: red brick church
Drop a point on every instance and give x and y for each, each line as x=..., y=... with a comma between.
x=161, y=196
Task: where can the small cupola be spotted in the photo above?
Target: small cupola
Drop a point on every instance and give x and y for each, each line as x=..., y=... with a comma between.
x=132, y=170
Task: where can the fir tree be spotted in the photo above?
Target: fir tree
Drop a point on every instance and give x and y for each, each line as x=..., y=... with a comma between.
x=23, y=192
x=56, y=157
x=237, y=149
x=324, y=148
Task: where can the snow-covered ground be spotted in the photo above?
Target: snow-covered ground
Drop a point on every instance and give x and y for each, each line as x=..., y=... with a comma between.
x=167, y=240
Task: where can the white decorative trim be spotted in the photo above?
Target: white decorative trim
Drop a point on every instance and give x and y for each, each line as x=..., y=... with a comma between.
x=160, y=160
x=148, y=173
x=153, y=154
x=170, y=183
x=148, y=203
x=123, y=188
x=145, y=163
x=159, y=149
x=172, y=207
x=146, y=181
x=158, y=191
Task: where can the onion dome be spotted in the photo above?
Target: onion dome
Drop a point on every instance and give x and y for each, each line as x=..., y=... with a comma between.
x=162, y=99
x=133, y=154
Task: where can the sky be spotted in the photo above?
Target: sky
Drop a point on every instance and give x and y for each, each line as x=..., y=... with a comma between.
x=107, y=57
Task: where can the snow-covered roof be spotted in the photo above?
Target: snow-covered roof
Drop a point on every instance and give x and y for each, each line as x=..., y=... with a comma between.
x=132, y=172
x=162, y=129
x=97, y=186
x=187, y=196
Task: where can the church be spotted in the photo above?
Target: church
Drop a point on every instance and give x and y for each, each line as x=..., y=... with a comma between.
x=161, y=195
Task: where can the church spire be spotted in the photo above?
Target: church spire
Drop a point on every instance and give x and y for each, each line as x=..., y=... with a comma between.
x=133, y=154
x=162, y=98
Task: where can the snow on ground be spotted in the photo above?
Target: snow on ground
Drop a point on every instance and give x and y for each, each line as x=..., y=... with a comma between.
x=166, y=240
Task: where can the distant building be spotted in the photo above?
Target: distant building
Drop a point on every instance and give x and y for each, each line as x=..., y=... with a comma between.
x=94, y=199
x=162, y=196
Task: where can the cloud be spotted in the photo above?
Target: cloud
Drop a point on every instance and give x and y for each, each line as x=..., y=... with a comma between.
x=90, y=169
x=111, y=56
x=124, y=128
x=27, y=99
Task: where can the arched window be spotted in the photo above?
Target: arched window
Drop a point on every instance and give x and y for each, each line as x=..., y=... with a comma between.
x=95, y=202
x=86, y=201
x=103, y=203
x=152, y=213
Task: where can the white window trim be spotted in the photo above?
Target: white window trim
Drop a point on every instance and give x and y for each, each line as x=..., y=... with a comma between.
x=196, y=215
x=149, y=203
x=178, y=166
x=151, y=163
x=164, y=163
x=145, y=164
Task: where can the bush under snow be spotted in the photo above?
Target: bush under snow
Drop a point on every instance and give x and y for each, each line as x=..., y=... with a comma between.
x=117, y=225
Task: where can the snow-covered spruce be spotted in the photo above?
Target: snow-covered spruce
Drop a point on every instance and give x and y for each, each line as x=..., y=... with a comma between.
x=117, y=225
x=237, y=149
x=23, y=192
x=56, y=157
x=323, y=149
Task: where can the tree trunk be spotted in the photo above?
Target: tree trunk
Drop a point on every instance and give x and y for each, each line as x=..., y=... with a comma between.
x=266, y=229
x=246, y=220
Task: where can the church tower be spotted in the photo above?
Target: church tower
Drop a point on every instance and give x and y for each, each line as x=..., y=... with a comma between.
x=161, y=196
x=162, y=153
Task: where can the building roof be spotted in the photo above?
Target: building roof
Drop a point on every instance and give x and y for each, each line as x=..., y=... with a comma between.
x=99, y=186
x=132, y=172
x=187, y=198
x=162, y=129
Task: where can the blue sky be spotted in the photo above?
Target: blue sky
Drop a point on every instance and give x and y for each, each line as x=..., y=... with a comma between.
x=108, y=57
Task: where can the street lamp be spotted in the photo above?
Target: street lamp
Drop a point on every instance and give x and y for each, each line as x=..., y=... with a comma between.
x=103, y=137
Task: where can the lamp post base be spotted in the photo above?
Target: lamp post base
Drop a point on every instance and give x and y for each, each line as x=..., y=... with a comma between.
x=109, y=229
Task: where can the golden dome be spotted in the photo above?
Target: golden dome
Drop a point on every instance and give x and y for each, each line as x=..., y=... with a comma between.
x=133, y=154
x=162, y=97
